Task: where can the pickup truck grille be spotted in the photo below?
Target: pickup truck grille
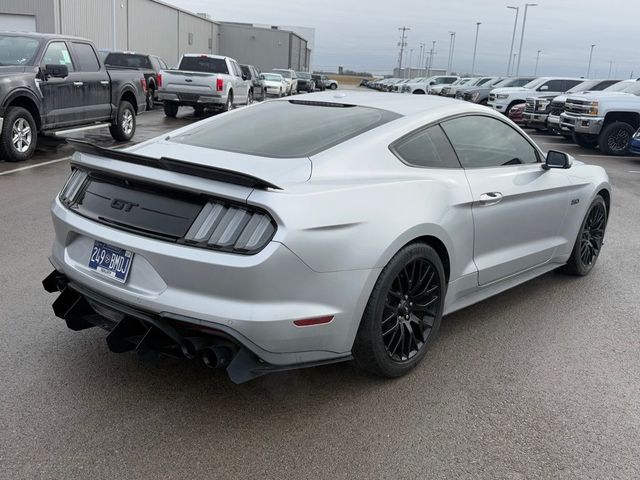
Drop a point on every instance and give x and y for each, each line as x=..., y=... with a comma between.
x=556, y=108
x=492, y=97
x=577, y=107
x=530, y=106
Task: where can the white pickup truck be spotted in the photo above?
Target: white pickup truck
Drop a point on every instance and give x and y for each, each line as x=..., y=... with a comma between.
x=504, y=99
x=202, y=81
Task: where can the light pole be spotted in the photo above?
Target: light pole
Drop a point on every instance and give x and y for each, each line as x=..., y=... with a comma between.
x=610, y=68
x=410, y=61
x=402, y=43
x=452, y=45
x=537, y=62
x=513, y=38
x=475, y=48
x=590, y=58
x=422, y=52
x=524, y=24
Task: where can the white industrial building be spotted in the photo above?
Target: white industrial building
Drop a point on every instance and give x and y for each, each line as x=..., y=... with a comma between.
x=155, y=27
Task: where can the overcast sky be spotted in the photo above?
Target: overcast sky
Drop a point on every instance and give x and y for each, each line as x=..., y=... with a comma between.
x=363, y=35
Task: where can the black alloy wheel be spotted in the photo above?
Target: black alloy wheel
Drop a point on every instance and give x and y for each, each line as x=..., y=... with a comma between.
x=592, y=234
x=410, y=310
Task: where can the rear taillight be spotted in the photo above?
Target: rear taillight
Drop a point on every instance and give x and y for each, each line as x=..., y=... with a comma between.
x=70, y=192
x=219, y=85
x=159, y=80
x=231, y=228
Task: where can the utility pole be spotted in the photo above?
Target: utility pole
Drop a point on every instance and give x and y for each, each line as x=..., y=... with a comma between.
x=590, y=58
x=537, y=62
x=402, y=44
x=610, y=68
x=475, y=48
x=452, y=44
x=114, y=19
x=524, y=24
x=410, y=61
x=420, y=59
x=513, y=38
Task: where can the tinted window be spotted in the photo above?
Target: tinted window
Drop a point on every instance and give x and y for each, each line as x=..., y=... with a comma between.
x=426, y=148
x=555, y=85
x=86, y=57
x=203, y=64
x=604, y=84
x=18, y=50
x=58, y=54
x=295, y=134
x=246, y=70
x=570, y=84
x=486, y=142
x=129, y=60
x=284, y=73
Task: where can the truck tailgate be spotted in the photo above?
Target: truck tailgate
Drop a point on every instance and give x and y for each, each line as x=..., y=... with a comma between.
x=189, y=82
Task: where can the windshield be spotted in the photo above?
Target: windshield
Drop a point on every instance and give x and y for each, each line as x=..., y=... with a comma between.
x=294, y=135
x=303, y=75
x=633, y=88
x=203, y=64
x=18, y=50
x=584, y=86
x=284, y=73
x=272, y=77
x=494, y=82
x=514, y=82
x=482, y=81
x=619, y=87
x=533, y=84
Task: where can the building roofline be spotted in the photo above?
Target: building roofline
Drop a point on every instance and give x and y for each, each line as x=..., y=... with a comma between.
x=187, y=12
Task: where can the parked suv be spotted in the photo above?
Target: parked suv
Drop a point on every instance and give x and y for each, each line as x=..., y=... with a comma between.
x=480, y=93
x=257, y=87
x=452, y=90
x=53, y=85
x=203, y=81
x=305, y=82
x=290, y=77
x=437, y=89
x=537, y=109
x=606, y=119
x=149, y=65
x=502, y=99
x=319, y=82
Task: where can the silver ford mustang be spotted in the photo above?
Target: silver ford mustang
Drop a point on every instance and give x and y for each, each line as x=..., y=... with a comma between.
x=325, y=228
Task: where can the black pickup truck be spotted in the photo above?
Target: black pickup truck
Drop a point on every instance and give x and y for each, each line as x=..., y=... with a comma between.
x=51, y=85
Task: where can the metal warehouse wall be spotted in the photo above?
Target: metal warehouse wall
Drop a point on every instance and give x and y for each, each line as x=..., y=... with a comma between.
x=92, y=19
x=265, y=48
x=43, y=10
x=194, y=34
x=298, y=53
x=153, y=28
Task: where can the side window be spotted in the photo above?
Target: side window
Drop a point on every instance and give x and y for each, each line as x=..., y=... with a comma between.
x=482, y=141
x=86, y=57
x=570, y=84
x=554, y=85
x=57, y=54
x=426, y=148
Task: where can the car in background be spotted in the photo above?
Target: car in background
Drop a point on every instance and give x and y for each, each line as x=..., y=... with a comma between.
x=274, y=84
x=502, y=99
x=319, y=82
x=54, y=85
x=329, y=83
x=634, y=146
x=423, y=86
x=460, y=91
x=306, y=83
x=149, y=65
x=452, y=90
x=437, y=89
x=290, y=77
x=253, y=75
x=557, y=105
x=203, y=81
x=480, y=94
x=516, y=113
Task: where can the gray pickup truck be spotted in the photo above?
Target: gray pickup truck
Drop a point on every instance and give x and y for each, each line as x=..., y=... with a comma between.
x=53, y=85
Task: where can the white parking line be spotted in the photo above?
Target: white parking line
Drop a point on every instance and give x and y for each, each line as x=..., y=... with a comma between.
x=21, y=169
x=634, y=171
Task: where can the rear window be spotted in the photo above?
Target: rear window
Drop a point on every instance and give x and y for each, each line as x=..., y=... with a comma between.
x=129, y=60
x=203, y=64
x=284, y=73
x=286, y=129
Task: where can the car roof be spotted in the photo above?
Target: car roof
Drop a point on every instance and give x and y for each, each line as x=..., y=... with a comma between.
x=44, y=36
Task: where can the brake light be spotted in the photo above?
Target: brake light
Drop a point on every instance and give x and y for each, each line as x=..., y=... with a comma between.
x=159, y=80
x=219, y=85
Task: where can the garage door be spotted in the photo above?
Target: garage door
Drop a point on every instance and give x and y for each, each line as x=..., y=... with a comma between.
x=17, y=23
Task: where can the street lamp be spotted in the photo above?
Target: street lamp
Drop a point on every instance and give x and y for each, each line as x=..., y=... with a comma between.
x=513, y=38
x=524, y=24
x=590, y=58
x=535, y=73
x=475, y=48
x=452, y=45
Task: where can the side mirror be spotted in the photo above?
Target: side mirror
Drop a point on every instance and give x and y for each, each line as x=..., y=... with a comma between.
x=543, y=88
x=56, y=71
x=557, y=160
x=245, y=76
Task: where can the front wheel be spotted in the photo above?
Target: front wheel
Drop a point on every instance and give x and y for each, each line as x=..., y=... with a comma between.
x=615, y=138
x=229, y=103
x=19, y=135
x=403, y=314
x=250, y=97
x=150, y=97
x=125, y=126
x=334, y=86
x=590, y=238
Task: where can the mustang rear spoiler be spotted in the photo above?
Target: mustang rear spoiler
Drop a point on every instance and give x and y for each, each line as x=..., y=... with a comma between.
x=173, y=165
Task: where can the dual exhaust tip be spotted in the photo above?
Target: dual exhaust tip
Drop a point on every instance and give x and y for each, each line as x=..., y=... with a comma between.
x=216, y=355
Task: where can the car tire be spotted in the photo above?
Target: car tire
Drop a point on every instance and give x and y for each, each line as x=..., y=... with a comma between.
x=125, y=127
x=392, y=339
x=418, y=92
x=589, y=241
x=171, y=109
x=19, y=125
x=229, y=103
x=250, y=96
x=615, y=138
x=585, y=140
x=150, y=97
x=334, y=86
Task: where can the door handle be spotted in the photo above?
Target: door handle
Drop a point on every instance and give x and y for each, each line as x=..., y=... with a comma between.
x=491, y=198
x=78, y=84
x=104, y=82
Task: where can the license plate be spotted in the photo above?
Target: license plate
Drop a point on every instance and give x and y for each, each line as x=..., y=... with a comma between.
x=112, y=262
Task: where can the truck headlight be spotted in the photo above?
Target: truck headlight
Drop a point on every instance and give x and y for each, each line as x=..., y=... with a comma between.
x=502, y=96
x=593, y=108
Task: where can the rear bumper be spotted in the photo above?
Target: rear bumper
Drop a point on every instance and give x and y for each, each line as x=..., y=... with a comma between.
x=192, y=99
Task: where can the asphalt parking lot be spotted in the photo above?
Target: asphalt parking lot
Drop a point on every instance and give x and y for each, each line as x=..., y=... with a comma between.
x=541, y=381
